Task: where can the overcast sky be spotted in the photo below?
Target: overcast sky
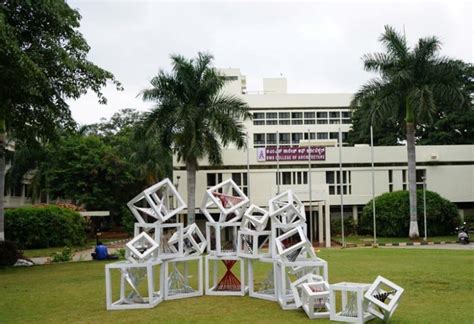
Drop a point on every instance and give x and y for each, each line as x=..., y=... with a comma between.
x=317, y=45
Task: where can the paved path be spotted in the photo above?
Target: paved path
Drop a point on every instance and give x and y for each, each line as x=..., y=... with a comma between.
x=450, y=246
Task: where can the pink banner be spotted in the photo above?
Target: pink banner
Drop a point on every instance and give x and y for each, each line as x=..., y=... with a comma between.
x=290, y=153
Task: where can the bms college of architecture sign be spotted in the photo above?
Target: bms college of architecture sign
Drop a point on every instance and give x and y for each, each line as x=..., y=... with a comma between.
x=290, y=153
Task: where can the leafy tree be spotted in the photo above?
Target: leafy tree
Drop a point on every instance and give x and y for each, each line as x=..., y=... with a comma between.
x=412, y=83
x=42, y=63
x=450, y=124
x=192, y=117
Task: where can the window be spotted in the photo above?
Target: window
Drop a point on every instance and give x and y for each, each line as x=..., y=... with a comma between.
x=323, y=136
x=272, y=118
x=311, y=136
x=322, y=121
x=333, y=179
x=240, y=179
x=293, y=178
x=213, y=179
x=297, y=118
x=296, y=137
x=309, y=115
x=404, y=179
x=284, y=138
x=258, y=140
x=271, y=139
x=258, y=118
x=390, y=180
x=284, y=118
x=334, y=135
x=309, y=118
x=322, y=114
x=334, y=114
x=231, y=78
x=346, y=114
x=419, y=179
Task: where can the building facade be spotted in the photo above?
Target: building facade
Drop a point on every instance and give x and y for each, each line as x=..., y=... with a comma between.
x=292, y=122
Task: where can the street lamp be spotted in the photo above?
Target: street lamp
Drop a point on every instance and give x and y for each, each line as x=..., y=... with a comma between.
x=424, y=206
x=373, y=180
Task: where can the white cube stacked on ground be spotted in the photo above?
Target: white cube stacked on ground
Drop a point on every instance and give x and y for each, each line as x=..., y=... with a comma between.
x=384, y=297
x=354, y=308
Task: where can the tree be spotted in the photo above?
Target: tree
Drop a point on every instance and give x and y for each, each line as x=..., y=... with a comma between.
x=193, y=117
x=450, y=124
x=411, y=83
x=42, y=64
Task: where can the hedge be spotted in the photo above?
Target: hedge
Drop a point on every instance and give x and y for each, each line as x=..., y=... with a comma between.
x=393, y=215
x=42, y=227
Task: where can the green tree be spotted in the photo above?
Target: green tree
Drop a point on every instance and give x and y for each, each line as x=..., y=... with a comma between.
x=193, y=117
x=411, y=83
x=42, y=63
x=451, y=124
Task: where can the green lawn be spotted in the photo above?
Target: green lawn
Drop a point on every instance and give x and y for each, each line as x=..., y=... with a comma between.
x=439, y=288
x=362, y=239
x=46, y=252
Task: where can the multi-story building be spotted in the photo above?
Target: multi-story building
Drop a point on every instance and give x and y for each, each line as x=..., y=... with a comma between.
x=299, y=120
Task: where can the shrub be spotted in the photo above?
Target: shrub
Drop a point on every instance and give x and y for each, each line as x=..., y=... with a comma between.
x=64, y=256
x=393, y=216
x=9, y=254
x=31, y=227
x=128, y=221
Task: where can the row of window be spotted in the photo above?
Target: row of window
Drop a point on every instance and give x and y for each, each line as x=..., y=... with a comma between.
x=300, y=118
x=269, y=139
x=292, y=178
x=420, y=175
x=240, y=179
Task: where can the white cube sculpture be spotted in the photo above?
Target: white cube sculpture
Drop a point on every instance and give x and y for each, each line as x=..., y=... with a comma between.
x=354, y=308
x=177, y=278
x=222, y=238
x=286, y=209
x=171, y=241
x=297, y=285
x=135, y=276
x=151, y=229
x=193, y=240
x=315, y=299
x=302, y=266
x=384, y=302
x=162, y=202
x=255, y=219
x=265, y=289
x=279, y=229
x=230, y=201
x=253, y=245
x=227, y=284
x=141, y=248
x=290, y=251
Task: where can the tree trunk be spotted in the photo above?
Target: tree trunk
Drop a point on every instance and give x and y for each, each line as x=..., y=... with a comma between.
x=413, y=233
x=191, y=184
x=2, y=175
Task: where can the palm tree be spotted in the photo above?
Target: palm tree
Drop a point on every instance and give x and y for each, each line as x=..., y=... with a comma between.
x=410, y=86
x=193, y=117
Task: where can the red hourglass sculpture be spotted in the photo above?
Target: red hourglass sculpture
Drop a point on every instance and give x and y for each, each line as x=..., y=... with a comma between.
x=229, y=281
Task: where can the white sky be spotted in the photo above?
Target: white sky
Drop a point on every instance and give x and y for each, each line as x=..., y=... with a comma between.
x=316, y=45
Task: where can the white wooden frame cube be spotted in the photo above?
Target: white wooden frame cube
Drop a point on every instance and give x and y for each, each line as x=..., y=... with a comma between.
x=286, y=209
x=249, y=244
x=214, y=243
x=160, y=208
x=211, y=273
x=133, y=248
x=154, y=295
x=297, y=285
x=383, y=310
x=313, y=295
x=148, y=228
x=169, y=267
x=171, y=246
x=255, y=219
x=304, y=246
x=350, y=292
x=225, y=189
x=193, y=240
x=298, y=268
x=278, y=230
x=268, y=294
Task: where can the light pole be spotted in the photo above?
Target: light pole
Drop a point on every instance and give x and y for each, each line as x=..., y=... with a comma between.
x=424, y=206
x=248, y=165
x=340, y=180
x=373, y=180
x=310, y=190
x=278, y=163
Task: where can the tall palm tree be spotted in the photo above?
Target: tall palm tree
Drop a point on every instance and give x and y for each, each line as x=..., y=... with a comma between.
x=193, y=117
x=410, y=85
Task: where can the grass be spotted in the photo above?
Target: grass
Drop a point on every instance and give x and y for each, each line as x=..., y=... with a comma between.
x=362, y=239
x=46, y=252
x=438, y=284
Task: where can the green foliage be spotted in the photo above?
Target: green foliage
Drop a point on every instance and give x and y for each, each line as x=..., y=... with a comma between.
x=128, y=221
x=392, y=210
x=121, y=253
x=64, y=256
x=9, y=253
x=40, y=227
